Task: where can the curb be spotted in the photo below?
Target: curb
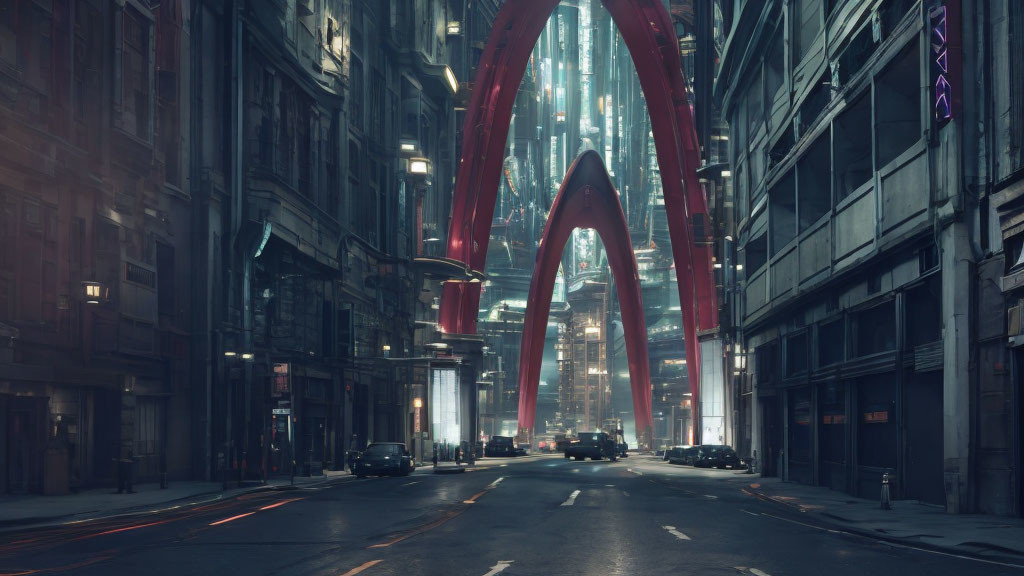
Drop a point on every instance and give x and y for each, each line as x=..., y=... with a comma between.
x=46, y=521
x=1007, y=556
x=450, y=470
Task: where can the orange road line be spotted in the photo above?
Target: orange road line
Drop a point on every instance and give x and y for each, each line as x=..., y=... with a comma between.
x=416, y=531
x=231, y=518
x=125, y=529
x=19, y=573
x=362, y=567
x=281, y=503
x=475, y=496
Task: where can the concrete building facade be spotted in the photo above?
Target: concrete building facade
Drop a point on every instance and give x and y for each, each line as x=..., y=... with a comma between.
x=862, y=137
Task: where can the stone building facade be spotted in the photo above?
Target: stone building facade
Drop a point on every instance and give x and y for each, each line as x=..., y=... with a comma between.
x=95, y=214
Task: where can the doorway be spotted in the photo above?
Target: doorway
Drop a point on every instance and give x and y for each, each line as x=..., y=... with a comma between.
x=923, y=475
x=771, y=449
x=26, y=441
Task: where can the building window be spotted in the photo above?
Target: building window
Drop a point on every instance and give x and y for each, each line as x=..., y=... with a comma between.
x=816, y=101
x=852, y=148
x=286, y=124
x=355, y=183
x=355, y=105
x=1015, y=93
x=854, y=57
x=333, y=183
x=755, y=104
x=766, y=363
x=756, y=159
x=377, y=105
x=149, y=417
x=136, y=65
x=814, y=186
x=873, y=331
x=898, y=106
x=876, y=427
x=756, y=253
x=165, y=278
x=306, y=156
x=36, y=44
x=740, y=182
x=782, y=213
x=775, y=67
x=831, y=343
x=923, y=315
x=832, y=433
x=800, y=425
x=796, y=354
x=806, y=27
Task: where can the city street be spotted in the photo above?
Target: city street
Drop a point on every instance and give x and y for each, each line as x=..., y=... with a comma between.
x=536, y=515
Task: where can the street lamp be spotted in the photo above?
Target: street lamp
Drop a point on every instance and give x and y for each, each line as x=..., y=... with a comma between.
x=419, y=166
x=93, y=291
x=453, y=83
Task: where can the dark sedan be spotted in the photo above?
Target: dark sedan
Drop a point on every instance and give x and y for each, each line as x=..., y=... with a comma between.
x=500, y=446
x=384, y=458
x=681, y=454
x=716, y=456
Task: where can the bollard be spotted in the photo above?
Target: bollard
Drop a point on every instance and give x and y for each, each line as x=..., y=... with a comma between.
x=886, y=500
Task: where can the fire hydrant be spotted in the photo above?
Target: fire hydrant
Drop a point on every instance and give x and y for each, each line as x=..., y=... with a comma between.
x=886, y=499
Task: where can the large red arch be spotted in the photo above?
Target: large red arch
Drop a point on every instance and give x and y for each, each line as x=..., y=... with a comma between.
x=586, y=199
x=647, y=31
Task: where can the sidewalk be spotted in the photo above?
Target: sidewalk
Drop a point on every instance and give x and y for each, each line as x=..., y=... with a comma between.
x=909, y=522
x=20, y=511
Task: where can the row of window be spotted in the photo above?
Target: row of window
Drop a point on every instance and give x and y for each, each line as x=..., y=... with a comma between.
x=874, y=399
x=856, y=334
x=869, y=134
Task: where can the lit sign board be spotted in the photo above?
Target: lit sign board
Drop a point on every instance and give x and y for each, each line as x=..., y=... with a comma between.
x=281, y=383
x=940, y=63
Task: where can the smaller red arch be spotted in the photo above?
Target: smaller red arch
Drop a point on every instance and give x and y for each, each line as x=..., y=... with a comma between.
x=586, y=199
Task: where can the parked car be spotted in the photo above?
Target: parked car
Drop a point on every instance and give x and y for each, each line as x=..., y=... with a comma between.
x=522, y=450
x=593, y=445
x=561, y=444
x=384, y=458
x=681, y=455
x=668, y=452
x=716, y=456
x=500, y=446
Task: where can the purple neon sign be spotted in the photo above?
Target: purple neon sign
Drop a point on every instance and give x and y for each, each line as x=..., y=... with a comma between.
x=943, y=99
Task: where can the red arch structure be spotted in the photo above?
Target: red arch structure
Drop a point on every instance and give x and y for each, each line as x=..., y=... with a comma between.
x=586, y=199
x=647, y=31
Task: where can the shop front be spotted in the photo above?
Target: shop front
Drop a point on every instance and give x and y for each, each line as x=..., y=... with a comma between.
x=800, y=464
x=833, y=435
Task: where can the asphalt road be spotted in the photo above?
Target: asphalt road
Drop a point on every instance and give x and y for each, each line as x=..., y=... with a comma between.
x=541, y=515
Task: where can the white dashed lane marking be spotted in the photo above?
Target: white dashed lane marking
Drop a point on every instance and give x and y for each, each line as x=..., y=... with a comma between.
x=500, y=566
x=672, y=530
x=572, y=498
